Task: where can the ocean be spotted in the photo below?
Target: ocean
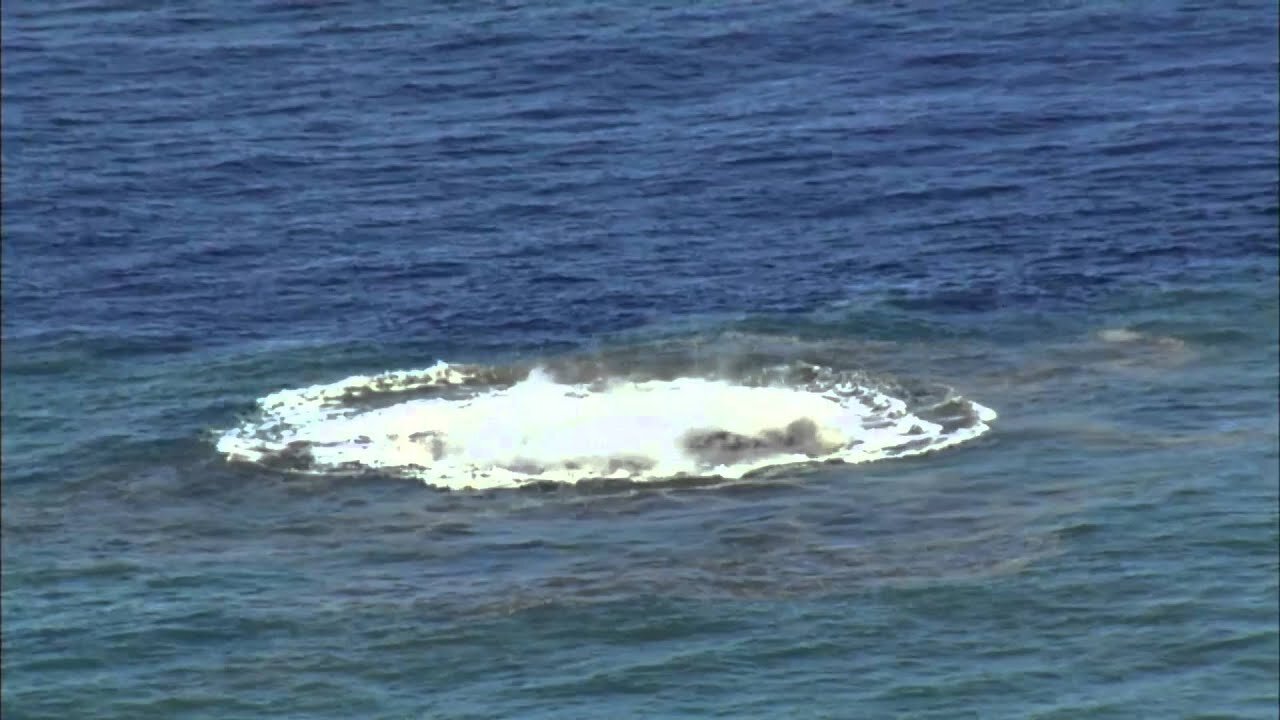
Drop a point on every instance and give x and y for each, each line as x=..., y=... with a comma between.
x=803, y=359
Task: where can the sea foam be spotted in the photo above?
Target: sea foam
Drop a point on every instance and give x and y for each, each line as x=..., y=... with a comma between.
x=456, y=426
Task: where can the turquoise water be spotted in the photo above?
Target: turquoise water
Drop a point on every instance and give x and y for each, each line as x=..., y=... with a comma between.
x=1065, y=214
x=1108, y=549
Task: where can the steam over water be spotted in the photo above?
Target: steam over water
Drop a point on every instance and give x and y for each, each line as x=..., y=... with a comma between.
x=473, y=426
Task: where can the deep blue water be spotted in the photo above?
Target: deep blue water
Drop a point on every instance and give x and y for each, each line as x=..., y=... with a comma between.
x=1067, y=211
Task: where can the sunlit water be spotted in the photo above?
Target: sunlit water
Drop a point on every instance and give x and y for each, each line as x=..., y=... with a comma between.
x=754, y=360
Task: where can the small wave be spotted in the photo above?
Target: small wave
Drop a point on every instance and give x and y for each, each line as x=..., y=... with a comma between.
x=459, y=426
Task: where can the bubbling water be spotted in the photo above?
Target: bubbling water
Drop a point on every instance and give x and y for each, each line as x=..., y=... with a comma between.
x=460, y=426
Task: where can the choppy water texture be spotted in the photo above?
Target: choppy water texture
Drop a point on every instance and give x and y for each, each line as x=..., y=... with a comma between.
x=804, y=359
x=478, y=427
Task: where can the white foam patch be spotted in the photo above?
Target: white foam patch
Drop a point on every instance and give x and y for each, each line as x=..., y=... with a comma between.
x=541, y=430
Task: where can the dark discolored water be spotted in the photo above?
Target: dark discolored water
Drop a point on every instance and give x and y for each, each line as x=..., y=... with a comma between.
x=1064, y=212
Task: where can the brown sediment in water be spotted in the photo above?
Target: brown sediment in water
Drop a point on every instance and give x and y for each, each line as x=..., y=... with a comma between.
x=719, y=447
